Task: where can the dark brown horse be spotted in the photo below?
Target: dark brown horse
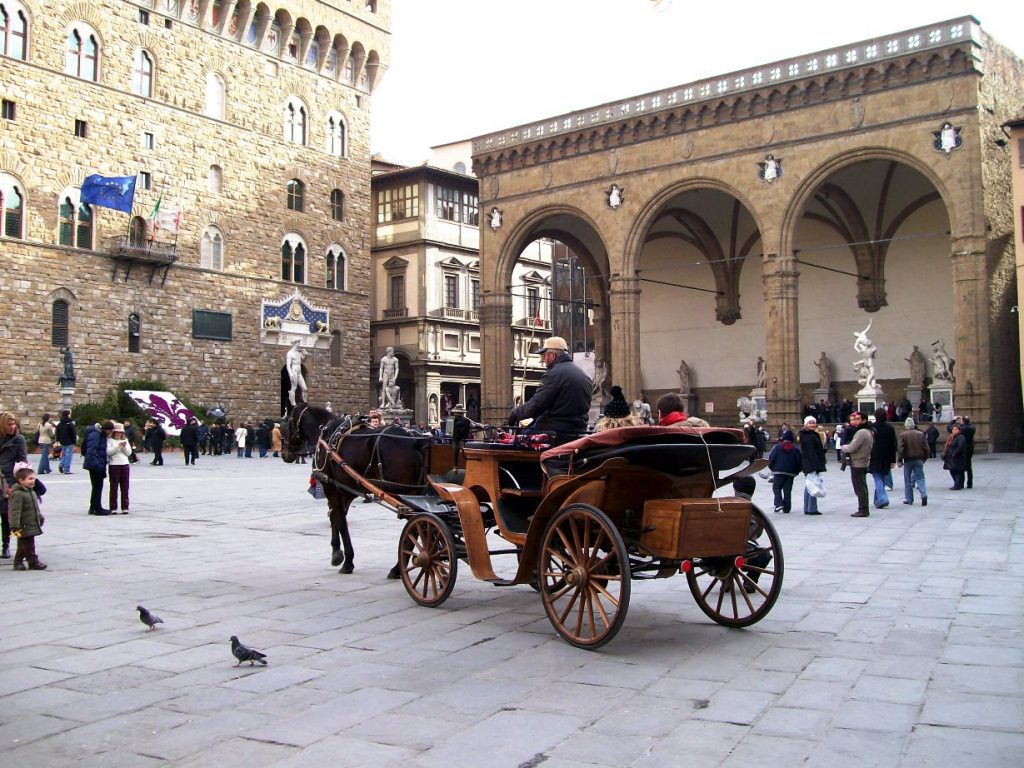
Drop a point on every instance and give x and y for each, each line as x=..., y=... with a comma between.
x=391, y=458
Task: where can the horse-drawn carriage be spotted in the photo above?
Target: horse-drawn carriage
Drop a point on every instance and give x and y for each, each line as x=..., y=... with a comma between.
x=584, y=520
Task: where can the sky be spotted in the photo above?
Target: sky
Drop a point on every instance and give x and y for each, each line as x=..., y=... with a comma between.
x=462, y=68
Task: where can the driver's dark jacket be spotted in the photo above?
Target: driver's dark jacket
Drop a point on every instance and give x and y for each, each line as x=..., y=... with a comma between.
x=561, y=404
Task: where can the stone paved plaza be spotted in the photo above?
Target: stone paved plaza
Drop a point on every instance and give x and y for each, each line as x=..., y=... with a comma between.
x=896, y=641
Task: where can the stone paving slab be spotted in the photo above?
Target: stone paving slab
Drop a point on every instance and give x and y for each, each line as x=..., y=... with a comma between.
x=897, y=642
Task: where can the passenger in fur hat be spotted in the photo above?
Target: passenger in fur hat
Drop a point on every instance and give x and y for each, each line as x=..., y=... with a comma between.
x=617, y=413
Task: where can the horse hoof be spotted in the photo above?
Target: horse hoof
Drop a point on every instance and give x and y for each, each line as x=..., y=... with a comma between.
x=394, y=573
x=336, y=557
x=346, y=568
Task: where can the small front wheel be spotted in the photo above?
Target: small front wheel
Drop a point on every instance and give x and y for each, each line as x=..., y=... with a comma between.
x=584, y=576
x=426, y=558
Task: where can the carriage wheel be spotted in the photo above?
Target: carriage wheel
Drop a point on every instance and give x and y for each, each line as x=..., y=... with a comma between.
x=426, y=557
x=739, y=597
x=584, y=576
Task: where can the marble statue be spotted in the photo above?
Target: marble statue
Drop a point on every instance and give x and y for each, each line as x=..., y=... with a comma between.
x=942, y=362
x=388, y=378
x=762, y=374
x=865, y=367
x=684, y=377
x=917, y=363
x=601, y=388
x=293, y=363
x=69, y=366
x=824, y=366
x=643, y=411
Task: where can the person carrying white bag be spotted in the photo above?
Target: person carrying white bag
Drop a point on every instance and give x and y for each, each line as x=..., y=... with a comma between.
x=812, y=454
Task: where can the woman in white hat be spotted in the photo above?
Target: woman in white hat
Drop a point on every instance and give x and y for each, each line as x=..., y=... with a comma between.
x=119, y=454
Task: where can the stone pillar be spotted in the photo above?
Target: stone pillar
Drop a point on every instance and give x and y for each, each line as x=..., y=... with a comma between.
x=624, y=311
x=495, y=357
x=972, y=372
x=782, y=339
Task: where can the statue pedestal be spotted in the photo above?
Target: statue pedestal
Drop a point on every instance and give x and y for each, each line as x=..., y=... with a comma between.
x=822, y=394
x=690, y=402
x=402, y=414
x=914, y=395
x=869, y=399
x=66, y=393
x=942, y=394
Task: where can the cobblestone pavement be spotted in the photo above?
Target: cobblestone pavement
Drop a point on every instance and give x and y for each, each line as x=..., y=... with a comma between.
x=897, y=641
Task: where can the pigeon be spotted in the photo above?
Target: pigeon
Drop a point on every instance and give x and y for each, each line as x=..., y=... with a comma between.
x=246, y=654
x=147, y=618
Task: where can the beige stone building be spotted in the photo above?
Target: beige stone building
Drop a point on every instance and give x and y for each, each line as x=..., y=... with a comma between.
x=1015, y=131
x=425, y=301
x=773, y=212
x=249, y=123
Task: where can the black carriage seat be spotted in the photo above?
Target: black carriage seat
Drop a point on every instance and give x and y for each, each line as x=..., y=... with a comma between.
x=676, y=450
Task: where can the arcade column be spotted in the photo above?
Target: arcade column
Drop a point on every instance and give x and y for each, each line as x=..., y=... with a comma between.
x=782, y=339
x=495, y=357
x=624, y=312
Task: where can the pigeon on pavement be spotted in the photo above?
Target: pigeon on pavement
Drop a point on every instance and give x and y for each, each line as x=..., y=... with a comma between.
x=147, y=618
x=246, y=654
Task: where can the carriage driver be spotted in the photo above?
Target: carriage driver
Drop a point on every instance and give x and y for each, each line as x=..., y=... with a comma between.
x=561, y=404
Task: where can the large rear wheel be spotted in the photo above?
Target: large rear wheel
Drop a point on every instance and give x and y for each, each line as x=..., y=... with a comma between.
x=741, y=589
x=584, y=576
x=426, y=558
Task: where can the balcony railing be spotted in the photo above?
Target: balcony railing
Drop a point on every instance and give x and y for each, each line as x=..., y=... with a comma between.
x=534, y=322
x=130, y=250
x=454, y=313
x=393, y=314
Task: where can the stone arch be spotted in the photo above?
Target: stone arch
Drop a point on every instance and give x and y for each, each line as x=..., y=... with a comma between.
x=526, y=229
x=12, y=164
x=810, y=182
x=60, y=293
x=649, y=212
x=87, y=12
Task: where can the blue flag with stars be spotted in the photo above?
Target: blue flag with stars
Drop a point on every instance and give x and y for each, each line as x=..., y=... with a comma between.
x=117, y=192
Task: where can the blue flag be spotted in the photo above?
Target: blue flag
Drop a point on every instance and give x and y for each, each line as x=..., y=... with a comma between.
x=115, y=192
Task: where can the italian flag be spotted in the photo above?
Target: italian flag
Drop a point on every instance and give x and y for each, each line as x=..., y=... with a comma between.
x=168, y=219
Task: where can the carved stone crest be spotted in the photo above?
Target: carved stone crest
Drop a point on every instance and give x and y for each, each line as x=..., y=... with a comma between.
x=615, y=196
x=769, y=169
x=947, y=138
x=494, y=219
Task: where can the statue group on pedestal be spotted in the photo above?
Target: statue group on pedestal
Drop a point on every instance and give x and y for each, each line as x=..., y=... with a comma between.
x=390, y=394
x=865, y=367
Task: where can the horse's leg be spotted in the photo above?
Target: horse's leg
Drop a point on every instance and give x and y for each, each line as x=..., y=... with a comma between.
x=339, y=527
x=335, y=502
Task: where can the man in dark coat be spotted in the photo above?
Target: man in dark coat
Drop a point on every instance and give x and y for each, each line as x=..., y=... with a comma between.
x=67, y=437
x=94, y=451
x=561, y=404
x=812, y=459
x=462, y=428
x=189, y=439
x=883, y=457
x=932, y=436
x=968, y=430
x=156, y=436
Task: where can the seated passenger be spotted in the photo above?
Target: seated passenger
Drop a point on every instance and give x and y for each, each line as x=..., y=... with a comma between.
x=672, y=410
x=561, y=404
x=374, y=419
x=617, y=413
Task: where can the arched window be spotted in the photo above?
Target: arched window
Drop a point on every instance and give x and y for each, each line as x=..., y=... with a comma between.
x=460, y=167
x=75, y=221
x=142, y=74
x=211, y=249
x=12, y=207
x=337, y=205
x=215, y=96
x=295, y=121
x=215, y=179
x=296, y=195
x=137, y=232
x=13, y=30
x=293, y=259
x=335, y=135
x=60, y=323
x=336, y=264
x=82, y=53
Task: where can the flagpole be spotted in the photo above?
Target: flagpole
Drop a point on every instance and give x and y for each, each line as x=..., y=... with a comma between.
x=177, y=225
